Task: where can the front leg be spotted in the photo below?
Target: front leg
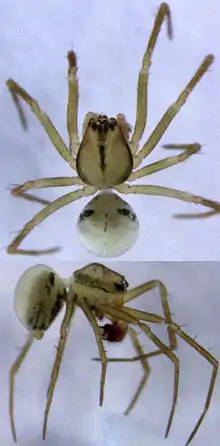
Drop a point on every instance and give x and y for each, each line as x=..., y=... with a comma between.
x=73, y=103
x=142, y=88
x=18, y=92
x=172, y=111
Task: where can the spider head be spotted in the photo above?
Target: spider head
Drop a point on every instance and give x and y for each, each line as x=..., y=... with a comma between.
x=107, y=226
x=104, y=157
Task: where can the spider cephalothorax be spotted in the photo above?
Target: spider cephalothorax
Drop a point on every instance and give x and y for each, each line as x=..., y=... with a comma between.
x=108, y=157
x=100, y=293
x=104, y=140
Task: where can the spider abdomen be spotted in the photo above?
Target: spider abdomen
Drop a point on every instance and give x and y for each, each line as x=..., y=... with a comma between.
x=107, y=226
x=104, y=157
x=38, y=298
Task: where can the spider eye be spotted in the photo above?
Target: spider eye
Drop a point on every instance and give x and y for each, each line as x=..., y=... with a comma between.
x=38, y=298
x=107, y=226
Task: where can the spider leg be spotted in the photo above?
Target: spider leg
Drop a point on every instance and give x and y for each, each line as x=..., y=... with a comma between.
x=42, y=215
x=142, y=88
x=19, y=191
x=172, y=111
x=98, y=336
x=130, y=317
x=46, y=182
x=146, y=368
x=196, y=215
x=147, y=286
x=170, y=193
x=16, y=92
x=133, y=358
x=13, y=372
x=213, y=361
x=188, y=150
x=30, y=197
x=133, y=293
x=179, y=332
x=73, y=101
x=64, y=331
x=175, y=361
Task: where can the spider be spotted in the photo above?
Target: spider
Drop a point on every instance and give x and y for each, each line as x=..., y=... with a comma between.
x=101, y=293
x=108, y=158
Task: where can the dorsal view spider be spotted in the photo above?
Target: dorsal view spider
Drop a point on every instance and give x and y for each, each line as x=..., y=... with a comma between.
x=103, y=295
x=108, y=159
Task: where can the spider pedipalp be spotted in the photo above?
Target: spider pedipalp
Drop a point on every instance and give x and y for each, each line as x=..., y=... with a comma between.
x=114, y=332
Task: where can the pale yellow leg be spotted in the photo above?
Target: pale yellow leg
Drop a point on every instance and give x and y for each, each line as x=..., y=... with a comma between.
x=42, y=215
x=166, y=350
x=98, y=336
x=172, y=111
x=13, y=372
x=73, y=102
x=19, y=191
x=160, y=191
x=213, y=361
x=133, y=293
x=64, y=331
x=145, y=366
x=142, y=88
x=130, y=316
x=16, y=92
x=188, y=150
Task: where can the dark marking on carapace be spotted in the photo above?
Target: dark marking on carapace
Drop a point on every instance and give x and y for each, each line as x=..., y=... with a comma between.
x=102, y=158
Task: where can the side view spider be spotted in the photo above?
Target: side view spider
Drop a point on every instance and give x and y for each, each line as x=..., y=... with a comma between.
x=100, y=293
x=108, y=158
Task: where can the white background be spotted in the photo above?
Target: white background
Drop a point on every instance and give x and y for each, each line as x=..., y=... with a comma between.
x=75, y=417
x=110, y=40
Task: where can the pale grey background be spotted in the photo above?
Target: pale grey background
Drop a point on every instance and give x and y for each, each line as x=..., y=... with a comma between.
x=76, y=418
x=110, y=40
